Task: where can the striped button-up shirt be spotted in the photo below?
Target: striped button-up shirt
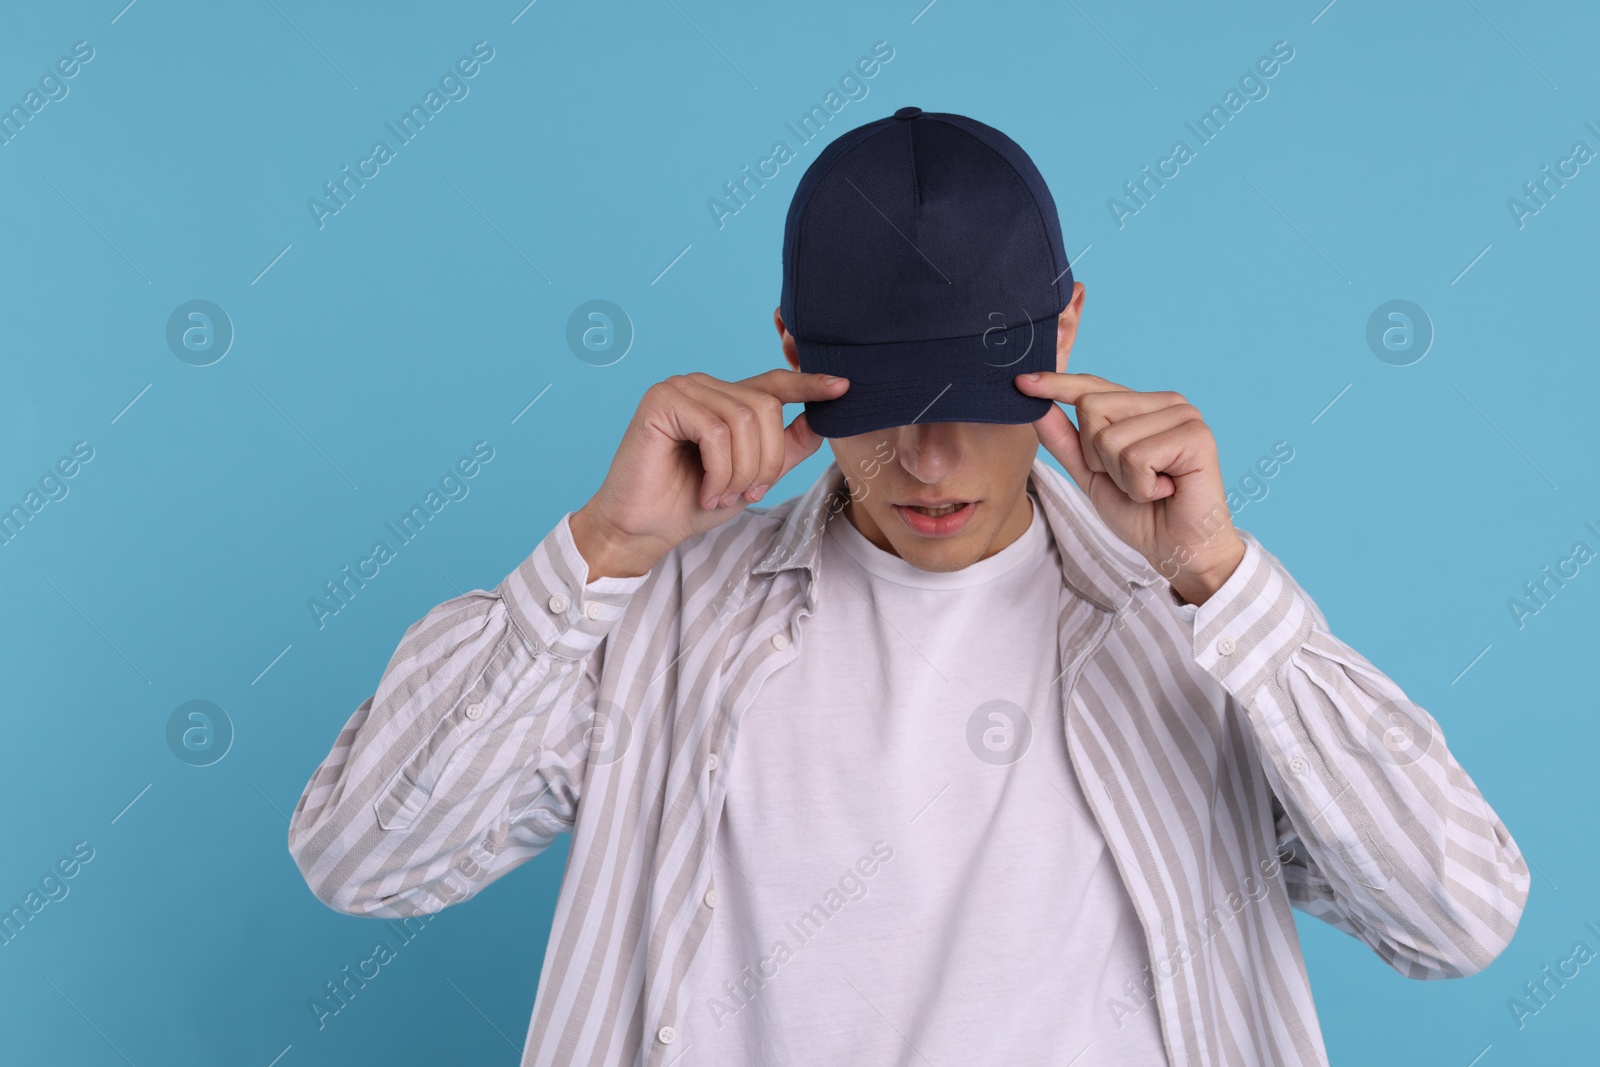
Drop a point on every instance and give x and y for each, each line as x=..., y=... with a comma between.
x=1238, y=758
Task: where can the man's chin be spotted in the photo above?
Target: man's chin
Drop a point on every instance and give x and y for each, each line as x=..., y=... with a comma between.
x=939, y=554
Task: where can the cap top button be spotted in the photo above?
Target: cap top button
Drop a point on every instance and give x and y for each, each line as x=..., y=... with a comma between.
x=908, y=113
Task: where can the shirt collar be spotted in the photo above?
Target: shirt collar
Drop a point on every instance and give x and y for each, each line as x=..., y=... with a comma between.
x=1095, y=563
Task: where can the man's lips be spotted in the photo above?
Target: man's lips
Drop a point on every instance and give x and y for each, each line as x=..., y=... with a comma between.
x=941, y=525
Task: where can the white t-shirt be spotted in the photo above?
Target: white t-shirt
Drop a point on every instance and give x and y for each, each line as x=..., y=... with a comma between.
x=906, y=871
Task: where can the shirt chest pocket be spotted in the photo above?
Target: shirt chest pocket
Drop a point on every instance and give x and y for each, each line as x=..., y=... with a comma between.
x=448, y=747
x=408, y=791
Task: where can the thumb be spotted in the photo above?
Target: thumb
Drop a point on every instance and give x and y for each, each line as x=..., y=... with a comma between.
x=799, y=442
x=1060, y=438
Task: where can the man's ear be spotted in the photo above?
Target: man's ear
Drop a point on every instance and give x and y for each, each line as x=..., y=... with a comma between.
x=790, y=353
x=1067, y=327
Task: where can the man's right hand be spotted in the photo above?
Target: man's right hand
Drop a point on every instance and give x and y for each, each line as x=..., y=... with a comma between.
x=698, y=449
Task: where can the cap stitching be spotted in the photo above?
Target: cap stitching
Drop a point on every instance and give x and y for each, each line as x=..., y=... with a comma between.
x=1038, y=216
x=1049, y=318
x=916, y=186
x=864, y=135
x=797, y=207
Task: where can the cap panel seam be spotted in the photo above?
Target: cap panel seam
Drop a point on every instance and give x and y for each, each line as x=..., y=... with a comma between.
x=1038, y=215
x=1041, y=229
x=799, y=207
x=916, y=186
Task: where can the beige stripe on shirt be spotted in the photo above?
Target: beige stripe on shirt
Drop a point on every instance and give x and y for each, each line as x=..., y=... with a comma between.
x=1199, y=765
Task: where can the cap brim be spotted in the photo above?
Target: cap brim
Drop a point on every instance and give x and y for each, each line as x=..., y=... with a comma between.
x=951, y=379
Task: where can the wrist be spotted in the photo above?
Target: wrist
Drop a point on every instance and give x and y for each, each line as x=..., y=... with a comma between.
x=608, y=553
x=1196, y=586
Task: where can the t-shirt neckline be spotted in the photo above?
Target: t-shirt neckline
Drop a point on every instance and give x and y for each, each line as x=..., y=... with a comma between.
x=1032, y=546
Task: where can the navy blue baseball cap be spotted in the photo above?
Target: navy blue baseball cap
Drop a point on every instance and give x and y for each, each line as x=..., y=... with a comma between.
x=922, y=259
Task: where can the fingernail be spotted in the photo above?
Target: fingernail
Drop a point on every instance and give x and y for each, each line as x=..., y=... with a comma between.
x=728, y=499
x=1032, y=376
x=757, y=492
x=832, y=379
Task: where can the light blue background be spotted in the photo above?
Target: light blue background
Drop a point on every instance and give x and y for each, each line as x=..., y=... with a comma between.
x=376, y=350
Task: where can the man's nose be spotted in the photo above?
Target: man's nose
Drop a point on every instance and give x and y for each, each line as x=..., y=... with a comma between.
x=929, y=451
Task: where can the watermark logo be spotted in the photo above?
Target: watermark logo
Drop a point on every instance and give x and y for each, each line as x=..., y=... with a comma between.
x=1252, y=486
x=1140, y=191
x=1541, y=990
x=453, y=485
x=1196, y=936
x=1539, y=191
x=599, y=332
x=1399, y=333
x=609, y=734
x=452, y=87
x=1002, y=340
x=199, y=332
x=1399, y=731
x=51, y=888
x=199, y=733
x=999, y=732
x=1537, y=593
x=739, y=991
x=337, y=995
x=740, y=191
x=53, y=88
x=52, y=487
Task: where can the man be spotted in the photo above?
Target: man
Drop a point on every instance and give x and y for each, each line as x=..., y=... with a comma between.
x=994, y=769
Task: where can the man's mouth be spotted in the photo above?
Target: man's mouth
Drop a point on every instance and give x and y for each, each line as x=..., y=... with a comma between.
x=937, y=520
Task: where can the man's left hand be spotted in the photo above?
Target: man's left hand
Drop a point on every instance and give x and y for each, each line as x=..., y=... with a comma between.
x=1149, y=465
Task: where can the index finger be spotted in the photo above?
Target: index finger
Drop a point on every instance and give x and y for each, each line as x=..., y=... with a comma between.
x=794, y=387
x=1071, y=388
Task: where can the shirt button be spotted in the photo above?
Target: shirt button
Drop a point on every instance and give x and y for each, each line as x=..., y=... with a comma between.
x=667, y=1035
x=558, y=604
x=713, y=761
x=711, y=898
x=780, y=642
x=1225, y=645
x=594, y=609
x=1298, y=765
x=474, y=711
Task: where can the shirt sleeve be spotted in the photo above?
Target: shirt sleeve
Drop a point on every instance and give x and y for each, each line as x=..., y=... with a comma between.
x=468, y=759
x=1380, y=831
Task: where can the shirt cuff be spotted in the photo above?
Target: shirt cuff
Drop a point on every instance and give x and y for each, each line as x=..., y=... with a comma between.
x=1185, y=609
x=552, y=603
x=1250, y=626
